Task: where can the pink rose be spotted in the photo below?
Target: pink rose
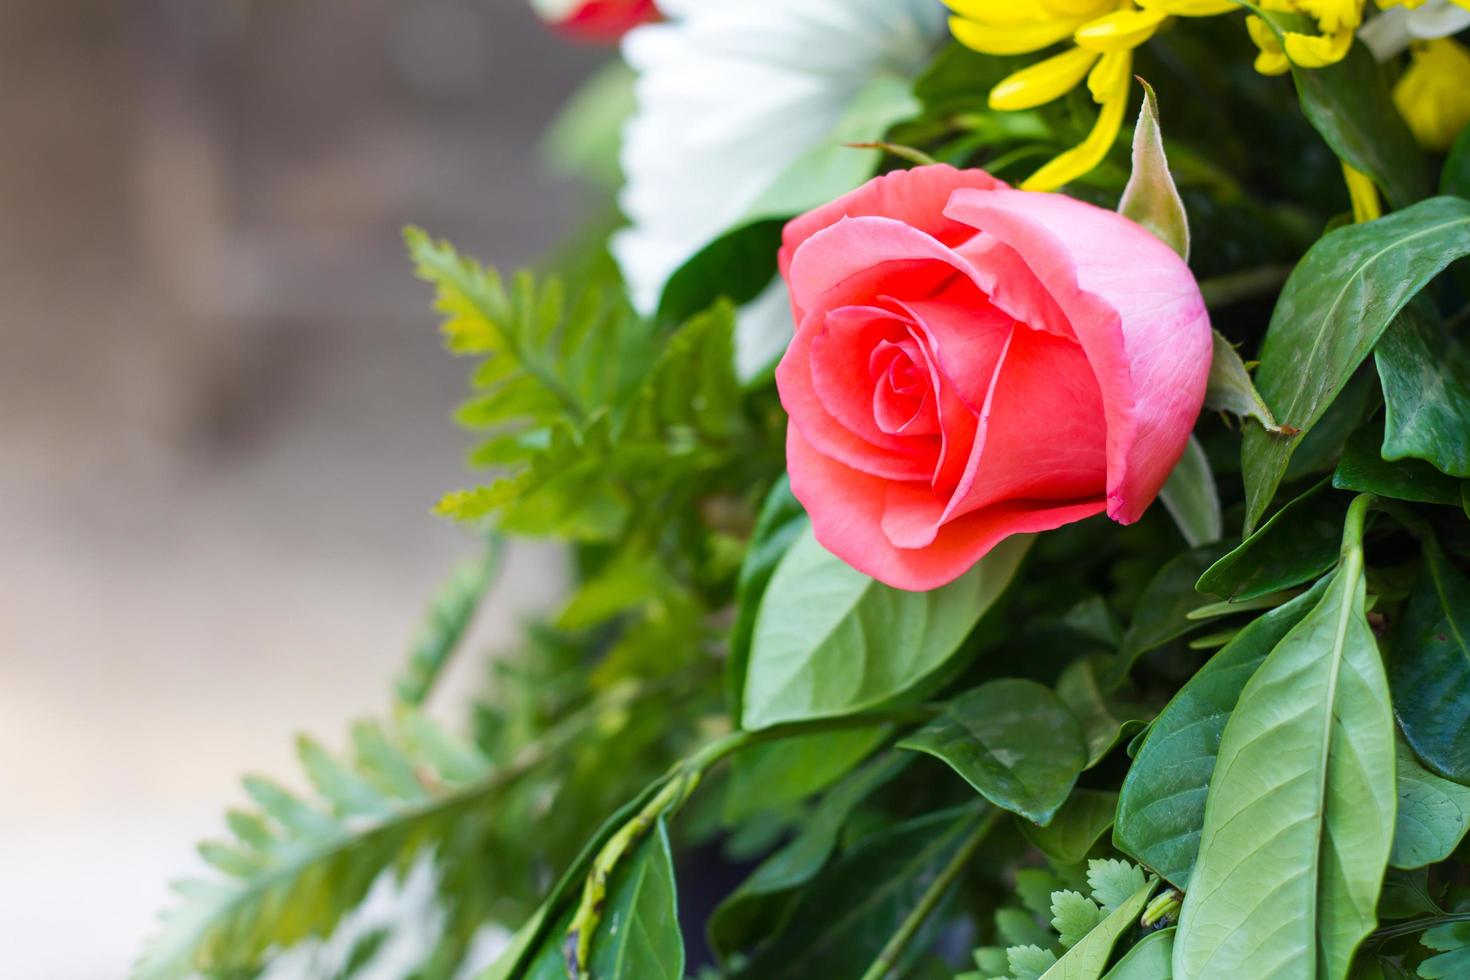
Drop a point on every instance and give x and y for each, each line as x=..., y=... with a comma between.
x=598, y=21
x=972, y=362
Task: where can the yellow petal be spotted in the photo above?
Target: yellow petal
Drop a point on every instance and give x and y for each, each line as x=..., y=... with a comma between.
x=1020, y=39
x=1043, y=81
x=1122, y=31
x=1273, y=63
x=1082, y=158
x=997, y=13
x=1333, y=16
x=1110, y=77
x=1262, y=35
x=1191, y=8
x=1363, y=194
x=1433, y=94
x=1076, y=8
x=1318, y=50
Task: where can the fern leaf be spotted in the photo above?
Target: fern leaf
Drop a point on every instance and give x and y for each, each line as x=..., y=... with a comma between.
x=295, y=870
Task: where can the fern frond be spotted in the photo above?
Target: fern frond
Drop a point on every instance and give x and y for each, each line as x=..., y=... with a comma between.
x=296, y=866
x=444, y=625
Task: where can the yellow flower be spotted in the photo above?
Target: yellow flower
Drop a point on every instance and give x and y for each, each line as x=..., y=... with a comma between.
x=1434, y=92
x=1104, y=34
x=1363, y=193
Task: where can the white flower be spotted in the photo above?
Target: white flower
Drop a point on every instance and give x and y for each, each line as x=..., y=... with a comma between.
x=1393, y=30
x=730, y=94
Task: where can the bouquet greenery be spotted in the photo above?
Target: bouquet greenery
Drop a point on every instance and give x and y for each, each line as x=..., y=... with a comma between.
x=879, y=659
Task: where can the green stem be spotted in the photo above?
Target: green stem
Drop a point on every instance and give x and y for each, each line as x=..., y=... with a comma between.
x=1246, y=284
x=1418, y=925
x=929, y=901
x=679, y=784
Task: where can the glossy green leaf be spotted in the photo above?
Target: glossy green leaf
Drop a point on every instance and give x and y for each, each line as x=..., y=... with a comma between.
x=1362, y=469
x=1161, y=808
x=1077, y=826
x=779, y=524
x=782, y=773
x=1349, y=104
x=1299, y=818
x=1105, y=718
x=638, y=937
x=1191, y=498
x=1014, y=741
x=1452, y=943
x=843, y=918
x=1405, y=895
x=1430, y=667
x=1089, y=958
x=737, y=266
x=1296, y=545
x=756, y=909
x=1338, y=301
x=1151, y=958
x=1150, y=198
x=1229, y=387
x=1426, y=392
x=1433, y=814
x=1162, y=613
x=829, y=640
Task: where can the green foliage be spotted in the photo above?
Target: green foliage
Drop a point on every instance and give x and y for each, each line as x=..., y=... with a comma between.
x=639, y=937
x=445, y=623
x=1299, y=819
x=1433, y=814
x=296, y=866
x=594, y=427
x=1364, y=470
x=1426, y=392
x=823, y=625
x=1076, y=828
x=1430, y=668
x=1014, y=741
x=1296, y=545
x=1162, y=805
x=1337, y=303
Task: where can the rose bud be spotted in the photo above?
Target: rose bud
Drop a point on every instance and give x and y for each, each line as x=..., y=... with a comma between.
x=599, y=21
x=972, y=362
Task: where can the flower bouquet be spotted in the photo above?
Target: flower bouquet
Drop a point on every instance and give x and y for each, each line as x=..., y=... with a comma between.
x=1015, y=458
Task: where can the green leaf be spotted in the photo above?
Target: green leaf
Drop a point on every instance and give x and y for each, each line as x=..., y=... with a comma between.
x=1426, y=392
x=830, y=641
x=1029, y=962
x=1338, y=301
x=1089, y=958
x=1077, y=826
x=1162, y=612
x=1430, y=667
x=779, y=525
x=1162, y=805
x=1150, y=198
x=1229, y=387
x=1014, y=741
x=1151, y=958
x=782, y=773
x=1073, y=916
x=446, y=621
x=843, y=918
x=1191, y=498
x=1452, y=941
x=638, y=936
x=736, y=266
x=1433, y=814
x=1296, y=545
x=756, y=909
x=297, y=871
x=1299, y=819
x=1113, y=881
x=1405, y=895
x=1350, y=105
x=1105, y=719
x=1363, y=470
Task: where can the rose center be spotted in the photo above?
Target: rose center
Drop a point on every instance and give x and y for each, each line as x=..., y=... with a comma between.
x=903, y=396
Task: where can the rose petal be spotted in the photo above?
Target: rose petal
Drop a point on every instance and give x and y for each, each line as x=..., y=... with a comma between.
x=916, y=197
x=845, y=508
x=1137, y=312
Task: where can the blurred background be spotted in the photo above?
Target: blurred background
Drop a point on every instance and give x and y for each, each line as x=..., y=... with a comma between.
x=225, y=409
